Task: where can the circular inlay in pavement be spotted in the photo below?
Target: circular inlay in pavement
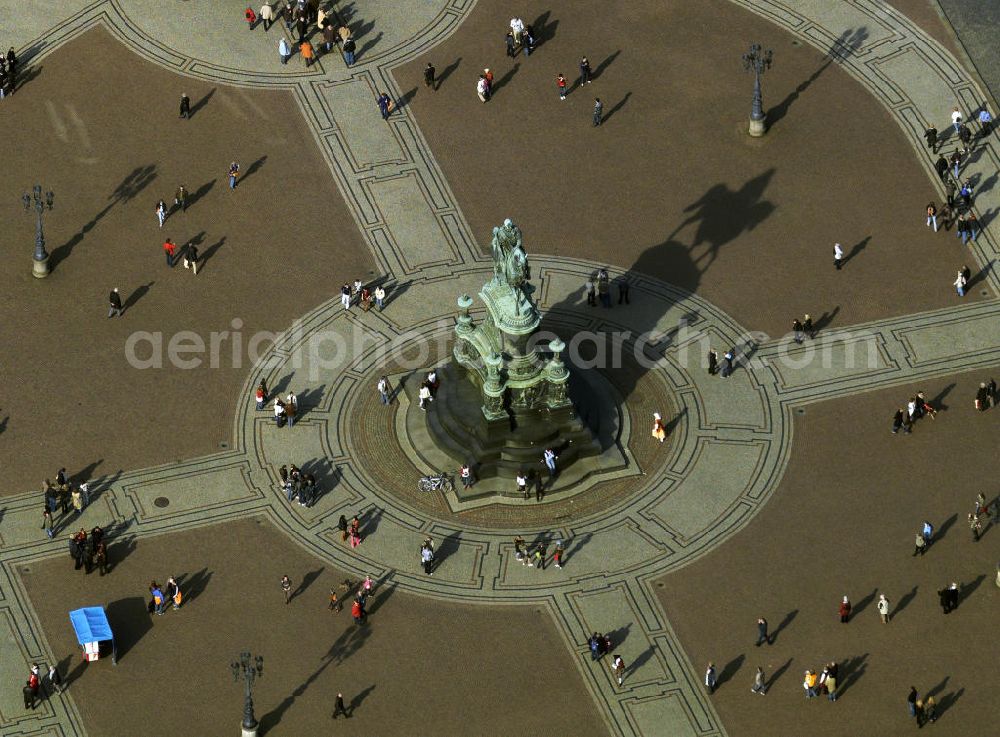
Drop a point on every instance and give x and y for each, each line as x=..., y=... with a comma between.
x=161, y=501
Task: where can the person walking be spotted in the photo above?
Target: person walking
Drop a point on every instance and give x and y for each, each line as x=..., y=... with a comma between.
x=286, y=587
x=557, y=557
x=267, y=15
x=350, y=47
x=161, y=212
x=975, y=526
x=169, y=249
x=797, y=330
x=762, y=635
x=384, y=389
x=424, y=395
x=845, y=610
x=932, y=215
x=919, y=545
x=384, y=105
x=838, y=256
x=338, y=707
x=307, y=52
x=941, y=165
x=251, y=17
x=585, y=72
x=54, y=680
x=345, y=296
x=379, y=297
x=185, y=106
x=956, y=161
x=960, y=283
x=931, y=136
x=807, y=327
x=482, y=89
x=191, y=258
x=561, y=86
x=710, y=679
x=965, y=136
x=809, y=684
x=956, y=119
x=759, y=686
x=971, y=226
x=234, y=172
x=727, y=366
x=517, y=29
x=427, y=559
x=47, y=521
x=549, y=458
x=831, y=682
x=115, y=304
x=618, y=667
x=429, y=80
x=930, y=710
x=911, y=701
x=984, y=122
x=883, y=608
x=598, y=111
x=713, y=361
x=180, y=198
x=285, y=52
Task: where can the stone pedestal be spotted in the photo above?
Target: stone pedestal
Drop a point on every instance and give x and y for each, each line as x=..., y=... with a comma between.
x=40, y=267
x=758, y=127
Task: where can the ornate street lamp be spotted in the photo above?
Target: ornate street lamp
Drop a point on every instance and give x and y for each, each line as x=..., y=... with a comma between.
x=249, y=671
x=40, y=265
x=759, y=61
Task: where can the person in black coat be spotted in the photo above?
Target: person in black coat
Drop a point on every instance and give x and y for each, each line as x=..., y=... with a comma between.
x=185, y=106
x=115, y=301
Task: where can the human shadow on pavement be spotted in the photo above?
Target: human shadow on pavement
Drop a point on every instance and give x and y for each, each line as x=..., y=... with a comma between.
x=864, y=603
x=948, y=701
x=119, y=548
x=618, y=106
x=544, y=28
x=784, y=623
x=254, y=168
x=448, y=547
x=905, y=600
x=779, y=673
x=730, y=669
x=640, y=659
x=136, y=296
x=856, y=249
x=447, y=72
x=384, y=594
x=980, y=276
x=306, y=582
x=130, y=621
x=577, y=545
x=618, y=636
x=824, y=321
x=201, y=103
x=309, y=400
x=937, y=402
x=369, y=520
x=938, y=688
x=599, y=69
x=192, y=587
x=945, y=526
x=356, y=701
x=199, y=193
x=271, y=719
x=851, y=671
x=506, y=78
x=970, y=589
x=369, y=44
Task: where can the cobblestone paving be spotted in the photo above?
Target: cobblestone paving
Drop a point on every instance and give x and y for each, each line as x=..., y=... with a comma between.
x=729, y=451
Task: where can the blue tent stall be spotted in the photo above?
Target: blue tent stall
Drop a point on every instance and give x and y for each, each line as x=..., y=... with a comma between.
x=92, y=628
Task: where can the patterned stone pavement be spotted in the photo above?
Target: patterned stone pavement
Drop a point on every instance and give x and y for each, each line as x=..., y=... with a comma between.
x=728, y=449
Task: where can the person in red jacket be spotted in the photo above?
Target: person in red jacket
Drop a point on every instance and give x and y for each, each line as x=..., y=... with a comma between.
x=169, y=248
x=845, y=610
x=561, y=85
x=251, y=17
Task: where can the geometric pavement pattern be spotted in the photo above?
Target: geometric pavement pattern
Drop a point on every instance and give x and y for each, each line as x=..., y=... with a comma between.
x=728, y=451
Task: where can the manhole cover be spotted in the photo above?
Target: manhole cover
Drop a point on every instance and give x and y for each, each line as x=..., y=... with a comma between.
x=26, y=570
x=983, y=292
x=161, y=501
x=796, y=42
x=659, y=584
x=800, y=410
x=223, y=445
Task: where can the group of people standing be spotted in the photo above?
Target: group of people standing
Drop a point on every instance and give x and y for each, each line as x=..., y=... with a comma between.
x=362, y=295
x=159, y=596
x=33, y=686
x=536, y=556
x=350, y=531
x=298, y=484
x=916, y=407
x=62, y=495
x=88, y=551
x=598, y=287
x=8, y=73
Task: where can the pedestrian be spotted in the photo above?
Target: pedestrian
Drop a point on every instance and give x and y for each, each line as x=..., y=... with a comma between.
x=345, y=296
x=175, y=595
x=762, y=635
x=932, y=215
x=927, y=532
x=267, y=15
x=598, y=114
x=618, y=667
x=169, y=249
x=966, y=194
x=911, y=701
x=234, y=171
x=710, y=679
x=984, y=125
x=185, y=106
x=115, y=304
x=251, y=17
x=845, y=610
x=34, y=682
x=429, y=80
x=965, y=136
x=919, y=545
x=286, y=587
x=971, y=226
x=713, y=361
x=465, y=473
x=517, y=28
x=931, y=135
x=488, y=76
x=528, y=40
x=930, y=710
x=838, y=256
x=982, y=396
x=358, y=612
x=540, y=551
x=355, y=532
x=727, y=366
x=383, y=389
x=561, y=86
x=831, y=683
x=379, y=297
x=191, y=257
x=623, y=289
x=54, y=680
x=180, y=198
x=883, y=608
x=509, y=43
x=759, y=686
x=956, y=161
x=659, y=431
x=424, y=395
x=349, y=48
x=797, y=330
x=809, y=684
x=982, y=508
x=960, y=283
x=47, y=521
x=285, y=52
x=962, y=229
x=338, y=707
x=557, y=557
x=807, y=327
x=976, y=526
x=482, y=89
x=956, y=118
x=427, y=559
x=522, y=483
x=549, y=458
x=384, y=103
x=585, y=72
x=77, y=501
x=307, y=52
x=941, y=165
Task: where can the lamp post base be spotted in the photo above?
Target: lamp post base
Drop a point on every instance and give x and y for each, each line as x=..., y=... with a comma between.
x=40, y=269
x=251, y=732
x=757, y=127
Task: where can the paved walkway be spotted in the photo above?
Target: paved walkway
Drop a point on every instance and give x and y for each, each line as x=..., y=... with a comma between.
x=732, y=445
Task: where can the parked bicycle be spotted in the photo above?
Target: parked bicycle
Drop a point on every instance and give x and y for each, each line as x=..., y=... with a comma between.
x=441, y=481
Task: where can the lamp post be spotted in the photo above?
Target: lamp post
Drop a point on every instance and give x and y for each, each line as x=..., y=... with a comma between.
x=40, y=264
x=759, y=61
x=249, y=671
